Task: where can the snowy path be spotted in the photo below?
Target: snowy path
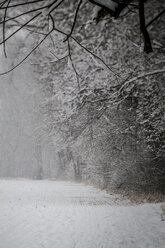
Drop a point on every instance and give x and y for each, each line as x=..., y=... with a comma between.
x=47, y=214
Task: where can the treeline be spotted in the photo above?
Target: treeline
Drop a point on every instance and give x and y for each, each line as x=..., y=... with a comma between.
x=104, y=98
x=110, y=120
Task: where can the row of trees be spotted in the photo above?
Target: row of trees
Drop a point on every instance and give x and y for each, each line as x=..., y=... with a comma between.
x=104, y=97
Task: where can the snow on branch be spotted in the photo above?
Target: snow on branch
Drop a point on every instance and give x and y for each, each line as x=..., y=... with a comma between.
x=141, y=76
x=35, y=9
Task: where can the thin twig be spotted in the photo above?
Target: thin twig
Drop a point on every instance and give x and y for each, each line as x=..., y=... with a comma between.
x=155, y=18
x=25, y=13
x=2, y=3
x=94, y=55
x=56, y=6
x=17, y=23
x=54, y=55
x=20, y=28
x=70, y=57
x=141, y=76
x=4, y=73
x=52, y=20
x=21, y=4
x=4, y=49
x=34, y=31
x=87, y=50
x=75, y=18
x=51, y=62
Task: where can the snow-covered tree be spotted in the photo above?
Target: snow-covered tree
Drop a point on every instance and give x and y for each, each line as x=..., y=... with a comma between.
x=101, y=90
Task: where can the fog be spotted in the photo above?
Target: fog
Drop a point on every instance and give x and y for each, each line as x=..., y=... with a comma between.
x=23, y=150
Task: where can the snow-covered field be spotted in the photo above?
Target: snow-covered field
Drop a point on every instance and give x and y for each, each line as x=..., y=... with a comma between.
x=48, y=214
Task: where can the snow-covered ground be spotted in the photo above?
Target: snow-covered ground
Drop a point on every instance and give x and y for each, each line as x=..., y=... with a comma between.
x=48, y=214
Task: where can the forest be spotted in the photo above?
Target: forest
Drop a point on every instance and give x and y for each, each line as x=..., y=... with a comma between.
x=82, y=92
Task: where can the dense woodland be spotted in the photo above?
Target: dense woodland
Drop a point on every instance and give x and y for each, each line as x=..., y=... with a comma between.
x=101, y=86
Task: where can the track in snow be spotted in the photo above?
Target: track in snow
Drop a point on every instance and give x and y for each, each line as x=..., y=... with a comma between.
x=48, y=214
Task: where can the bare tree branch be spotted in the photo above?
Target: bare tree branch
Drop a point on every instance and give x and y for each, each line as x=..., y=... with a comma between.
x=75, y=18
x=20, y=4
x=4, y=28
x=155, y=18
x=96, y=56
x=2, y=3
x=141, y=76
x=20, y=28
x=25, y=13
x=4, y=73
x=70, y=57
x=87, y=50
x=56, y=6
